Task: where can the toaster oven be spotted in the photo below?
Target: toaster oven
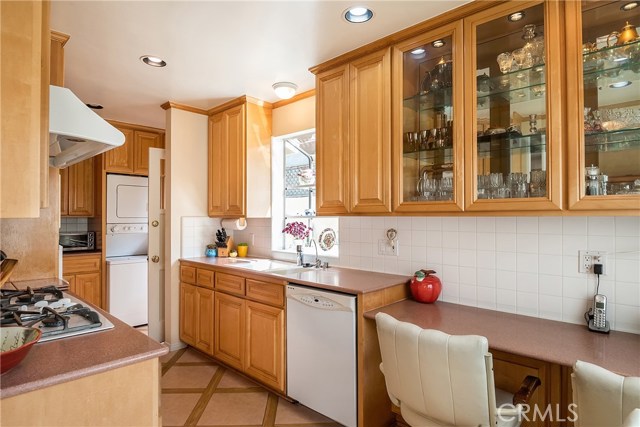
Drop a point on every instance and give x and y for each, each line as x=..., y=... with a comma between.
x=78, y=241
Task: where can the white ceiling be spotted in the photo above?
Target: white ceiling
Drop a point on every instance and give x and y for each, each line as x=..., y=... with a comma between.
x=215, y=50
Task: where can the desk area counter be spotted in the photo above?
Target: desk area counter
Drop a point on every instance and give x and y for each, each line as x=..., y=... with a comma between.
x=546, y=340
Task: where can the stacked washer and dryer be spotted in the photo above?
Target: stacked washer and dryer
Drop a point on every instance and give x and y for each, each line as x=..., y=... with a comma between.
x=127, y=239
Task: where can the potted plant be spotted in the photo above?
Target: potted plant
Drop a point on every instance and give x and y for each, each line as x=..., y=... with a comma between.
x=211, y=251
x=242, y=249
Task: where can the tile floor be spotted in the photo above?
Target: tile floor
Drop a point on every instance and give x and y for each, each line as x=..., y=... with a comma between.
x=196, y=391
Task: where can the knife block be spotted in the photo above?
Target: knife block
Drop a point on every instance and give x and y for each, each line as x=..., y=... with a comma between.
x=224, y=251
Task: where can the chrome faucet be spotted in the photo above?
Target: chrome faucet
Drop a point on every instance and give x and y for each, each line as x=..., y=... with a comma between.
x=317, y=263
x=299, y=255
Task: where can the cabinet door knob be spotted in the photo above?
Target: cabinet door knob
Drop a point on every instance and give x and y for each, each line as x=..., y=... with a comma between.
x=155, y=223
x=155, y=258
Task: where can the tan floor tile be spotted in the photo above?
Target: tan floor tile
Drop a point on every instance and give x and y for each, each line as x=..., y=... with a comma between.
x=290, y=413
x=188, y=376
x=177, y=407
x=235, y=409
x=193, y=356
x=168, y=356
x=233, y=380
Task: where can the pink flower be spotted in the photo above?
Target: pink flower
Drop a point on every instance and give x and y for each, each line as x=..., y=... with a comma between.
x=297, y=229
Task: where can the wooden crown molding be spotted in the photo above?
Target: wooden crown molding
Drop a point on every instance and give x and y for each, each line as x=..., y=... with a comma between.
x=59, y=37
x=298, y=97
x=134, y=126
x=171, y=104
x=239, y=101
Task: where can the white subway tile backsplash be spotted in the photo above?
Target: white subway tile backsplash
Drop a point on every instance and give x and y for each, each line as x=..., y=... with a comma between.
x=601, y=226
x=527, y=265
x=467, y=240
x=506, y=242
x=450, y=239
x=628, y=226
x=575, y=225
x=486, y=224
x=527, y=224
x=506, y=280
x=550, y=264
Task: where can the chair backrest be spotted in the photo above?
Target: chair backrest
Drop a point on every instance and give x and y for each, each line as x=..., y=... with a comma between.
x=602, y=397
x=433, y=375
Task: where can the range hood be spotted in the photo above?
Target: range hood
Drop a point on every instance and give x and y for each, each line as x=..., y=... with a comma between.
x=75, y=132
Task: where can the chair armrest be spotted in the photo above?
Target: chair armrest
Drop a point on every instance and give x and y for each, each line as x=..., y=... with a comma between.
x=528, y=386
x=633, y=419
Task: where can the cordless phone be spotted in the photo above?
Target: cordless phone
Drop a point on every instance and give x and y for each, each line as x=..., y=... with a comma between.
x=599, y=322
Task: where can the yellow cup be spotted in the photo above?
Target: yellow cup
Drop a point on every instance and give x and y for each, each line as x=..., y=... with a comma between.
x=242, y=251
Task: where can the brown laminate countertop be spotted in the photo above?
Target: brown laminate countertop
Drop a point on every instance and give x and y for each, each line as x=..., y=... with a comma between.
x=547, y=340
x=67, y=359
x=75, y=253
x=337, y=279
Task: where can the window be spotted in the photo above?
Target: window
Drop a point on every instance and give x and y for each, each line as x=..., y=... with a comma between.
x=294, y=196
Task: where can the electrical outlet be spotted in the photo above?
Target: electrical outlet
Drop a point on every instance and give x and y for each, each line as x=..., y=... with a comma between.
x=586, y=259
x=382, y=246
x=252, y=238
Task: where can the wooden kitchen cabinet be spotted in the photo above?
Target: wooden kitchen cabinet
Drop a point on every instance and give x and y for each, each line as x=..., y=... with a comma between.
x=188, y=313
x=133, y=156
x=428, y=144
x=239, y=135
x=353, y=108
x=514, y=130
x=197, y=308
x=229, y=345
x=83, y=273
x=77, y=189
x=604, y=117
x=25, y=120
x=265, y=344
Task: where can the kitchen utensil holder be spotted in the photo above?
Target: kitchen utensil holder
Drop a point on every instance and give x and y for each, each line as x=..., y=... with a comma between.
x=223, y=251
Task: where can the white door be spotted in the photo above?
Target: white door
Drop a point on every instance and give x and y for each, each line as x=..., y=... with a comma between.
x=156, y=243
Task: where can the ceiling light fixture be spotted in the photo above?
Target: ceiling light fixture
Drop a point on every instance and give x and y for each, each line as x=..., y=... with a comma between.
x=618, y=85
x=358, y=14
x=153, y=61
x=285, y=90
x=438, y=43
x=516, y=16
x=629, y=6
x=418, y=51
x=95, y=106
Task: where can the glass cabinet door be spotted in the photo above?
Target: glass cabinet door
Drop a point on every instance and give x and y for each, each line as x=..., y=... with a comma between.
x=428, y=124
x=514, y=107
x=605, y=132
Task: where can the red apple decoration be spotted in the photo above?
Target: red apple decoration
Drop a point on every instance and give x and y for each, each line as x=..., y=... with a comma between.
x=425, y=287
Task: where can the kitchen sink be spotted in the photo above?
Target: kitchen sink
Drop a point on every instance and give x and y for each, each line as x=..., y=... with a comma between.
x=288, y=270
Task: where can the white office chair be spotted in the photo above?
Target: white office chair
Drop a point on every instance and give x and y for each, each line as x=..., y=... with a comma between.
x=445, y=380
x=604, y=399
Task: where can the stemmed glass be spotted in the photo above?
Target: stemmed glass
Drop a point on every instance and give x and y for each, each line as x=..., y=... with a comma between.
x=496, y=182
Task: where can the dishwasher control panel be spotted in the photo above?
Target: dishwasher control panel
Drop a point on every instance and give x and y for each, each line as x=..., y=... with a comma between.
x=317, y=301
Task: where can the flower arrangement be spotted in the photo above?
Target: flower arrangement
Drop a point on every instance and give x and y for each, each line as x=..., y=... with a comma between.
x=297, y=229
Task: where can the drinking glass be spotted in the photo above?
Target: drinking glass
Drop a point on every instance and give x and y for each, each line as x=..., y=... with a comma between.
x=538, y=183
x=505, y=61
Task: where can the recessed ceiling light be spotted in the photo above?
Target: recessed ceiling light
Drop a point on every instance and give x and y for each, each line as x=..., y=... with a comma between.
x=95, y=106
x=285, y=90
x=358, y=14
x=618, y=85
x=153, y=61
x=628, y=6
x=438, y=43
x=418, y=51
x=516, y=16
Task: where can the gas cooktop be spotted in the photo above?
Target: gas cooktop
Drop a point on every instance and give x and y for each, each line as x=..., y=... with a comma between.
x=56, y=313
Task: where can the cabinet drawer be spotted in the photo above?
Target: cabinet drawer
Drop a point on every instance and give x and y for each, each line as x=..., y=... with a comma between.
x=80, y=263
x=188, y=274
x=269, y=293
x=205, y=278
x=229, y=283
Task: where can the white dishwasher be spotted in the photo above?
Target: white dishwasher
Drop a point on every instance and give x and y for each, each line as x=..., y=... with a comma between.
x=321, y=352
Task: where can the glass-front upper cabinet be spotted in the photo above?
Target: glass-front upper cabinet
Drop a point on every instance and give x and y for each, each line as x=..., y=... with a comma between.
x=428, y=123
x=514, y=107
x=603, y=61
